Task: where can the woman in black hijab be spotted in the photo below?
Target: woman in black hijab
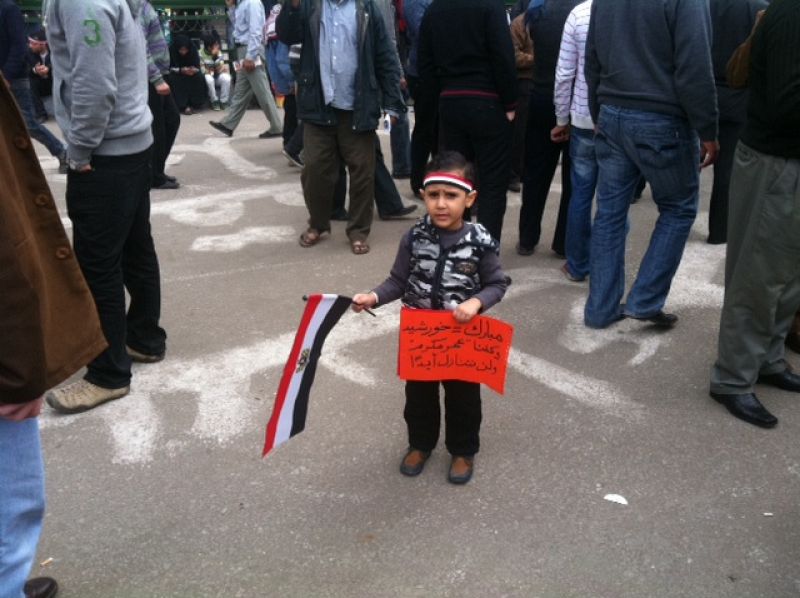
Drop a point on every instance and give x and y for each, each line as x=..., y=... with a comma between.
x=187, y=82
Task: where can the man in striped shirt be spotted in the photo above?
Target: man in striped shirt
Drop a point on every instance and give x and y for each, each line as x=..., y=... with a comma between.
x=571, y=99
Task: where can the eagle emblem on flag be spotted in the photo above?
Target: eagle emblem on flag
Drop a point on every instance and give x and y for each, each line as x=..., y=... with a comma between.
x=303, y=361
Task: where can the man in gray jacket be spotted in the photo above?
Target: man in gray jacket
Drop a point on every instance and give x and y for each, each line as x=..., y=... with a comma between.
x=100, y=89
x=651, y=93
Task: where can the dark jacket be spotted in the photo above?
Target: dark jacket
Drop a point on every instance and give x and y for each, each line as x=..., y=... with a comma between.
x=43, y=85
x=48, y=322
x=653, y=56
x=378, y=74
x=465, y=47
x=13, y=45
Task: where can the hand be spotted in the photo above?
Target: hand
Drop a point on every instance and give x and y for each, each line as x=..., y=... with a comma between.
x=394, y=120
x=230, y=3
x=295, y=3
x=467, y=310
x=363, y=301
x=83, y=169
x=559, y=134
x=510, y=115
x=162, y=89
x=708, y=153
x=248, y=65
x=403, y=83
x=22, y=411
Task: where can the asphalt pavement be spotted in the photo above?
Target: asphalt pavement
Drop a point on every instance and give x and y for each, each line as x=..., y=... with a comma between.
x=164, y=493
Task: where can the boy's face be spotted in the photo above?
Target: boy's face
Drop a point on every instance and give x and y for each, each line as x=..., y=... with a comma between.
x=446, y=204
x=214, y=49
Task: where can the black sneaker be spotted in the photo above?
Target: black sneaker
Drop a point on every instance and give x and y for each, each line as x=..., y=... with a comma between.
x=269, y=135
x=221, y=128
x=294, y=159
x=404, y=212
x=167, y=184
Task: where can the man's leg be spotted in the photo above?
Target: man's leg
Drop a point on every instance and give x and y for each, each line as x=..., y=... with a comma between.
x=142, y=276
x=242, y=93
x=101, y=205
x=387, y=198
x=763, y=286
x=22, y=93
x=541, y=161
x=400, y=139
x=491, y=142
x=667, y=152
x=320, y=174
x=259, y=82
x=358, y=152
x=616, y=178
x=172, y=122
x=289, y=118
x=579, y=220
x=156, y=104
x=21, y=502
x=212, y=88
x=423, y=138
x=718, y=204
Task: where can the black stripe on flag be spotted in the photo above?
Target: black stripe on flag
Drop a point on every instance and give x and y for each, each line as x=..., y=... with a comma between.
x=340, y=305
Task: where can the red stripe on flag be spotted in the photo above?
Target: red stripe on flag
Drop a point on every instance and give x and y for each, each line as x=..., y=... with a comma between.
x=288, y=371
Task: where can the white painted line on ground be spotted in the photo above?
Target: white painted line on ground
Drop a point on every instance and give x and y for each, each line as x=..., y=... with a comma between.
x=252, y=235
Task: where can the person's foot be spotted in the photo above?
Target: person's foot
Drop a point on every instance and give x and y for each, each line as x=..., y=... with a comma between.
x=359, y=247
x=414, y=462
x=659, y=319
x=215, y=105
x=140, y=357
x=748, y=408
x=793, y=341
x=514, y=185
x=270, y=134
x=399, y=215
x=401, y=175
x=340, y=215
x=522, y=250
x=460, y=470
x=311, y=237
x=569, y=275
x=170, y=178
x=221, y=128
x=294, y=159
x=82, y=396
x=167, y=184
x=224, y=105
x=785, y=380
x=40, y=587
x=63, y=165
x=716, y=240
x=188, y=111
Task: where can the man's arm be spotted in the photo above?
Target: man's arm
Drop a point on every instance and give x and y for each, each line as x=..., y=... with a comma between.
x=387, y=66
x=566, y=70
x=91, y=38
x=256, y=19
x=502, y=56
x=591, y=69
x=15, y=66
x=779, y=46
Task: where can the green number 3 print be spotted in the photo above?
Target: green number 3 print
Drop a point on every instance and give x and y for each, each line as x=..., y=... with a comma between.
x=93, y=39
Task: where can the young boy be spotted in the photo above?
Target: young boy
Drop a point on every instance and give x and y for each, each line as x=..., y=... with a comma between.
x=443, y=263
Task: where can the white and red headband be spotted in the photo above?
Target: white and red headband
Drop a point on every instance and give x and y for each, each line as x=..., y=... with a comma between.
x=448, y=178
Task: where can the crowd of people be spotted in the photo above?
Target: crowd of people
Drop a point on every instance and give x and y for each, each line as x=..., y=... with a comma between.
x=621, y=93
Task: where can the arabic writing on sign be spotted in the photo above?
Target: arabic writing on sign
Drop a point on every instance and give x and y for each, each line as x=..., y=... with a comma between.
x=434, y=346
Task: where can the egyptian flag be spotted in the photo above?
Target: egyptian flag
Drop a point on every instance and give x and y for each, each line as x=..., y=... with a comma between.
x=291, y=403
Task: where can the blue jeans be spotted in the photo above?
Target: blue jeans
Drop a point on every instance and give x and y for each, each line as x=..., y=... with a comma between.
x=666, y=151
x=21, y=502
x=21, y=88
x=579, y=214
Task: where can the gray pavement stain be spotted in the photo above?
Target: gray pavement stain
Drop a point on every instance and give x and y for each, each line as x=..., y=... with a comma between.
x=163, y=493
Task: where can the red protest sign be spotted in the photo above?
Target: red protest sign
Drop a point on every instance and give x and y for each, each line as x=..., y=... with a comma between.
x=434, y=346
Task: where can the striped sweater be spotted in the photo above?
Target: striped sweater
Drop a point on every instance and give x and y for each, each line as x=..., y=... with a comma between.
x=157, y=49
x=571, y=94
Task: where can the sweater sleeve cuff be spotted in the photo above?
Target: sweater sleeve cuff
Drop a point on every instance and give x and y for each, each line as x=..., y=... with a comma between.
x=562, y=121
x=80, y=156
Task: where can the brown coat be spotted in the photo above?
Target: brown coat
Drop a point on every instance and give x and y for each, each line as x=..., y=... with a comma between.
x=523, y=47
x=48, y=321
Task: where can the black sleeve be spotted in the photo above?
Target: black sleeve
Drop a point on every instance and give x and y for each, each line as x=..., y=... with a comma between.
x=387, y=65
x=591, y=69
x=395, y=286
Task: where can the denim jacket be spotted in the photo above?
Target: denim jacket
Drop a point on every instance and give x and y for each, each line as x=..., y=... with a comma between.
x=378, y=72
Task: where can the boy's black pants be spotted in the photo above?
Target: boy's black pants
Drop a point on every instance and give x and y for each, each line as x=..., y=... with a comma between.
x=462, y=404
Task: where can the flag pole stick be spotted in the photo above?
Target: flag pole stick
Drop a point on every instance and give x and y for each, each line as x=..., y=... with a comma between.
x=366, y=309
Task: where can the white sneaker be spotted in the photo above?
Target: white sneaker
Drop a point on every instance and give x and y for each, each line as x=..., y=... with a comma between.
x=82, y=396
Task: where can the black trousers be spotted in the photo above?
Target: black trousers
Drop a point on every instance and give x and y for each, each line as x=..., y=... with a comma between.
x=462, y=416
x=718, y=206
x=110, y=212
x=541, y=160
x=424, y=138
x=520, y=125
x=387, y=197
x=166, y=122
x=289, y=118
x=478, y=128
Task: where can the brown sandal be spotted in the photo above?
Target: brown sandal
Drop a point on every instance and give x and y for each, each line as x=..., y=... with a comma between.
x=359, y=247
x=310, y=237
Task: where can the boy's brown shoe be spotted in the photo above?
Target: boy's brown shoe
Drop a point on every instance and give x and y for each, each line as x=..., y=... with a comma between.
x=414, y=462
x=460, y=470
